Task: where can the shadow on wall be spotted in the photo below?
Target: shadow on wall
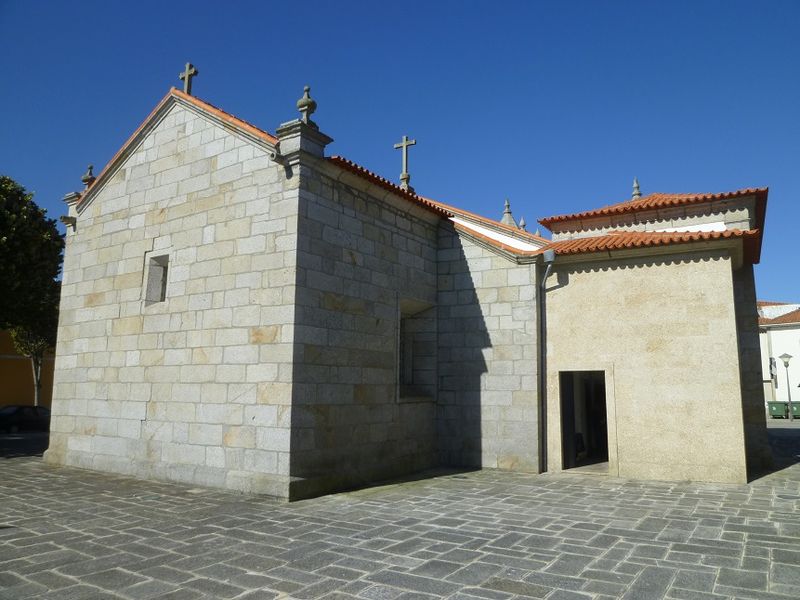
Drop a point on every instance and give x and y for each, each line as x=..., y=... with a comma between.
x=463, y=341
x=366, y=406
x=364, y=393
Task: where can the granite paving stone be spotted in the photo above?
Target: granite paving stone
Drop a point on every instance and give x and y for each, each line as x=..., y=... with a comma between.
x=488, y=535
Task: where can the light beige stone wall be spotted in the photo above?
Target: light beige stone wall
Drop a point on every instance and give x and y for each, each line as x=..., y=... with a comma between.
x=664, y=331
x=488, y=406
x=196, y=388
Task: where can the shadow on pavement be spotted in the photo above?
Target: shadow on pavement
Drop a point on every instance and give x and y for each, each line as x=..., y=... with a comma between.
x=15, y=445
x=784, y=439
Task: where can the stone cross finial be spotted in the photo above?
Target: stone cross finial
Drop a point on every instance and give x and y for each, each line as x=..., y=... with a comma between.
x=405, y=178
x=306, y=105
x=186, y=77
x=88, y=177
x=636, y=192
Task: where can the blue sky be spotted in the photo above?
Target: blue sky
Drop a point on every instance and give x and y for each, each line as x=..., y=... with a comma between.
x=555, y=105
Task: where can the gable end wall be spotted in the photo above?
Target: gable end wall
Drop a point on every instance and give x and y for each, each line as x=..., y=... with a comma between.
x=196, y=388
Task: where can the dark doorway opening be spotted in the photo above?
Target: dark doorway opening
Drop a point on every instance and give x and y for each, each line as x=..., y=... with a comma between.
x=584, y=429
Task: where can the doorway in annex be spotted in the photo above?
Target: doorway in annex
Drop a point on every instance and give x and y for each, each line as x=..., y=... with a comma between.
x=584, y=428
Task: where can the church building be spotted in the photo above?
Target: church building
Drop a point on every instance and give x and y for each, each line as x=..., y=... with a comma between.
x=241, y=310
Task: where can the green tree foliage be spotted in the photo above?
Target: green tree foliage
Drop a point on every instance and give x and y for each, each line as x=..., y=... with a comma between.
x=30, y=260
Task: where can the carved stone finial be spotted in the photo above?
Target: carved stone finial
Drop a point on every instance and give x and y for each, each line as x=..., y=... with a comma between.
x=522, y=223
x=306, y=105
x=508, y=218
x=186, y=77
x=538, y=232
x=88, y=177
x=636, y=191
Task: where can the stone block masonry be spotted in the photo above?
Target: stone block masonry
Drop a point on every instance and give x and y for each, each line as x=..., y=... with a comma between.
x=487, y=414
x=363, y=256
x=288, y=329
x=196, y=387
x=239, y=311
x=665, y=337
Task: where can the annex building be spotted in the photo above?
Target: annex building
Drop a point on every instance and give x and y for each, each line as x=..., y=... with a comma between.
x=241, y=310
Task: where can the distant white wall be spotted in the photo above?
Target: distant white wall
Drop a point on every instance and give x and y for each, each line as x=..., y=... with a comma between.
x=784, y=340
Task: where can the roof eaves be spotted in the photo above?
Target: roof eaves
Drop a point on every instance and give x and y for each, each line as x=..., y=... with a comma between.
x=638, y=240
x=501, y=227
x=508, y=251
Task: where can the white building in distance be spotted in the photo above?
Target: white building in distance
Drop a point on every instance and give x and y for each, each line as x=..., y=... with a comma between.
x=779, y=326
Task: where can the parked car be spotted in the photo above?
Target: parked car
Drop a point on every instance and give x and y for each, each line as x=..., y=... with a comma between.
x=24, y=418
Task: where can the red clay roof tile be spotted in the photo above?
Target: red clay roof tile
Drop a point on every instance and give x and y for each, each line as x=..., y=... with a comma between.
x=642, y=239
x=623, y=240
x=610, y=241
x=652, y=202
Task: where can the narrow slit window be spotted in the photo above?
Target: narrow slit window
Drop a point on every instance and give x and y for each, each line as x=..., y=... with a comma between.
x=157, y=279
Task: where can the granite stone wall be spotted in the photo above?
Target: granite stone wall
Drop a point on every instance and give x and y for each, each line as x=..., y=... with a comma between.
x=365, y=257
x=196, y=388
x=487, y=412
x=663, y=329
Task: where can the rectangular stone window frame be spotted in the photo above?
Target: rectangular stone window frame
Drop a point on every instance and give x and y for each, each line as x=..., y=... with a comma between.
x=156, y=276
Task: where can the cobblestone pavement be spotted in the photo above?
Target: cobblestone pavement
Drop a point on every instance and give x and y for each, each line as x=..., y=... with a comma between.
x=71, y=534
